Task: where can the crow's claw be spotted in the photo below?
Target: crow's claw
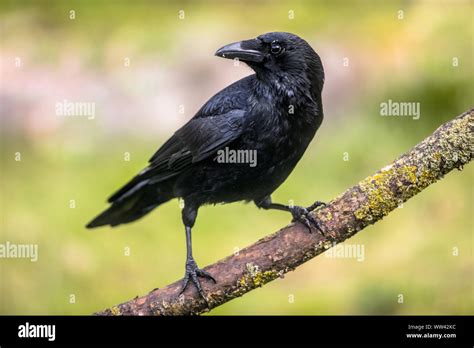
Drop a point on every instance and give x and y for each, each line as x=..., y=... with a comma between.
x=193, y=273
x=316, y=205
x=304, y=216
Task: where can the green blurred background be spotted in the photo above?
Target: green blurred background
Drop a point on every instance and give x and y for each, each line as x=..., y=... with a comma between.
x=372, y=51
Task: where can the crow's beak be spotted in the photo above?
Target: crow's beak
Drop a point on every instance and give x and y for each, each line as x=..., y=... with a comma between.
x=244, y=50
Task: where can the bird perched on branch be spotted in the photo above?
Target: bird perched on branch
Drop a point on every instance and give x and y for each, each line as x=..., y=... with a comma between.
x=273, y=114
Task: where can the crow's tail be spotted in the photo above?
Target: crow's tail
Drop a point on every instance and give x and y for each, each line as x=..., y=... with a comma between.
x=132, y=205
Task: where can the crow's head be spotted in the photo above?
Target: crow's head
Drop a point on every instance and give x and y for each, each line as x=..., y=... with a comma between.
x=276, y=55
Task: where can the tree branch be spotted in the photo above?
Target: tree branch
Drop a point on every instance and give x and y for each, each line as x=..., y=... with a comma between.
x=449, y=147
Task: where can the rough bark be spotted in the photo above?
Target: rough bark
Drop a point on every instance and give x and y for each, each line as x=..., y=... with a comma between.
x=449, y=147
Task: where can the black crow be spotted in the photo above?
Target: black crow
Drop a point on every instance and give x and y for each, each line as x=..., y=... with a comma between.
x=240, y=146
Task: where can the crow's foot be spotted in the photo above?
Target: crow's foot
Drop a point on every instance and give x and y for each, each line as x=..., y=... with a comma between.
x=192, y=273
x=315, y=205
x=303, y=215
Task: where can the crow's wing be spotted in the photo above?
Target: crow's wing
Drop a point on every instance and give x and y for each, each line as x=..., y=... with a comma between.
x=219, y=122
x=200, y=137
x=197, y=140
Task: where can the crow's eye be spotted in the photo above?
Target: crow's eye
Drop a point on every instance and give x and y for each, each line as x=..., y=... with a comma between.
x=275, y=48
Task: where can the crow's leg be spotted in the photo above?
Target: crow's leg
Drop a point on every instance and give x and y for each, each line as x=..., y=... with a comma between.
x=300, y=214
x=192, y=271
